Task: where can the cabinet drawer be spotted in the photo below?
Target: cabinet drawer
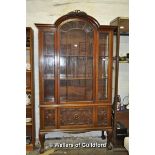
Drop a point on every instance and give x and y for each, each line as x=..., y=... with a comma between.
x=48, y=118
x=103, y=116
x=71, y=117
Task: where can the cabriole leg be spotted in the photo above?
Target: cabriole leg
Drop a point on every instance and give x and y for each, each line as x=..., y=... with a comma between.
x=42, y=140
x=109, y=139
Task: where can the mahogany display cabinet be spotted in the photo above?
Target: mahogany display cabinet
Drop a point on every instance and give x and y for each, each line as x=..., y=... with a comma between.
x=75, y=75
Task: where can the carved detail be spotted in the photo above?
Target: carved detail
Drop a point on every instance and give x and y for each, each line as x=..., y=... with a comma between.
x=102, y=116
x=77, y=12
x=80, y=116
x=49, y=118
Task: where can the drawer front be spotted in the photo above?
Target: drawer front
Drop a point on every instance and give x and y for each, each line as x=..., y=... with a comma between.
x=48, y=118
x=103, y=116
x=72, y=117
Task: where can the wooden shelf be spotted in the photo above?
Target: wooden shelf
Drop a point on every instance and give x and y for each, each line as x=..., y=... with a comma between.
x=28, y=106
x=29, y=123
x=28, y=71
x=28, y=48
x=28, y=90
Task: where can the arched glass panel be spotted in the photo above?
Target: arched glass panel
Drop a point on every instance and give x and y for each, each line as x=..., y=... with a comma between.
x=76, y=61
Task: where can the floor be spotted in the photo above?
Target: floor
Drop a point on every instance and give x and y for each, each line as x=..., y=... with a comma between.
x=77, y=146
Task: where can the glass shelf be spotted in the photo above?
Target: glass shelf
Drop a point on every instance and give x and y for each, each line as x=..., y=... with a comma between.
x=90, y=56
x=76, y=78
x=49, y=77
x=51, y=55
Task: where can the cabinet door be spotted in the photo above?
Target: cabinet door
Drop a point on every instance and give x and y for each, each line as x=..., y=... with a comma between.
x=76, y=61
x=104, y=65
x=47, y=67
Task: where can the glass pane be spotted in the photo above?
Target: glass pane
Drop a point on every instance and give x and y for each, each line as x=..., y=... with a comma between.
x=103, y=65
x=48, y=66
x=49, y=90
x=114, y=66
x=76, y=90
x=28, y=56
x=48, y=43
x=76, y=61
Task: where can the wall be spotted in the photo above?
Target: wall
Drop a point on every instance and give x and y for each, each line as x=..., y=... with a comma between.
x=47, y=11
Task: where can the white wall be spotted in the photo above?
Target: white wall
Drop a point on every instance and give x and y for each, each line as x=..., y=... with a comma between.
x=47, y=11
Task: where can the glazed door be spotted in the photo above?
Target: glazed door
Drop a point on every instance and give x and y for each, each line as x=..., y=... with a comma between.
x=104, y=66
x=47, y=67
x=76, y=62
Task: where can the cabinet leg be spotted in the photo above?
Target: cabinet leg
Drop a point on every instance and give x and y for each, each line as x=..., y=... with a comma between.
x=109, y=139
x=42, y=140
x=103, y=136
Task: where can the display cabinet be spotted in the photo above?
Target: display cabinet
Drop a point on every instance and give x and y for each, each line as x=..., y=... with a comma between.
x=120, y=108
x=75, y=75
x=30, y=121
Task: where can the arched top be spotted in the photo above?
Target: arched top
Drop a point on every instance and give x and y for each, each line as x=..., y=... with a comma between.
x=77, y=14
